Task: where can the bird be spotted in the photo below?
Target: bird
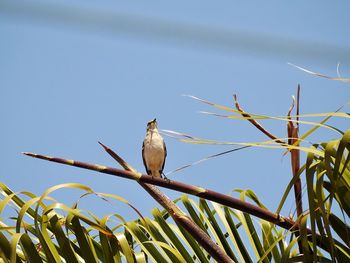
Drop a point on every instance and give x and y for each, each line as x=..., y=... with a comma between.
x=154, y=151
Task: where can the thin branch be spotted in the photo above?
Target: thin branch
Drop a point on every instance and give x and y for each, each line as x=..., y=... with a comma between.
x=255, y=123
x=293, y=134
x=293, y=130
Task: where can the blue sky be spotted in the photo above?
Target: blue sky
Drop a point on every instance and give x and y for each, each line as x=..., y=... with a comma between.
x=68, y=82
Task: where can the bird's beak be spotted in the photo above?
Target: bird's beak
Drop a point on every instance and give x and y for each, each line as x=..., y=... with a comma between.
x=155, y=120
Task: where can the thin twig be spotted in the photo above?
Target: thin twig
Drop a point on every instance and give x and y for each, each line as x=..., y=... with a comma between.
x=255, y=123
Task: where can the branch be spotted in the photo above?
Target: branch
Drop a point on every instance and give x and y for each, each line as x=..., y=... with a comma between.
x=255, y=123
x=207, y=194
x=293, y=130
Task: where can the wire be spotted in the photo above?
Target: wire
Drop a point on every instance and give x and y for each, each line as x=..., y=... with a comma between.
x=174, y=33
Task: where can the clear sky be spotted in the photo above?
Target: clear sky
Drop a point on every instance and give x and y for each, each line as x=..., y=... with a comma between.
x=74, y=74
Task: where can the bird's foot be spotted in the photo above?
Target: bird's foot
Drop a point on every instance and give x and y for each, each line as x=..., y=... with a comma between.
x=166, y=178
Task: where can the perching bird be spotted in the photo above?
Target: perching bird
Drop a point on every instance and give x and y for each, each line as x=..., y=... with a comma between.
x=153, y=150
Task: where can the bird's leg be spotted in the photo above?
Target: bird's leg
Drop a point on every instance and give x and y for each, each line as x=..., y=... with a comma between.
x=166, y=178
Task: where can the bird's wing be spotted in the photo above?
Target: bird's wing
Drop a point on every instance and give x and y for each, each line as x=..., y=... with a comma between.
x=143, y=158
x=165, y=154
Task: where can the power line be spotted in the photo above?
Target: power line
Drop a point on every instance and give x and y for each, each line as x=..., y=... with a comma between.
x=174, y=33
